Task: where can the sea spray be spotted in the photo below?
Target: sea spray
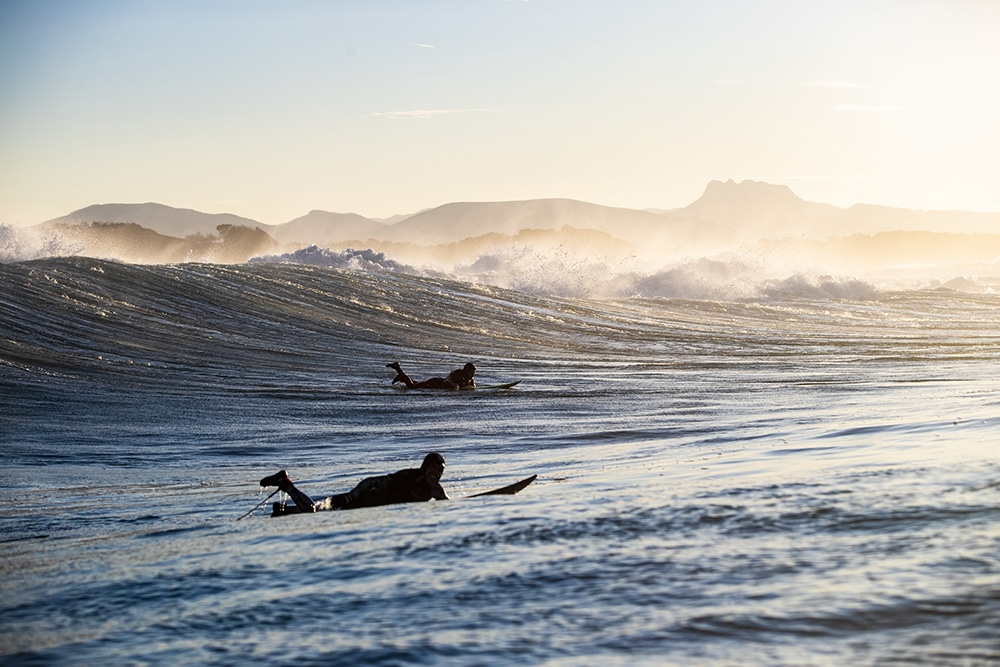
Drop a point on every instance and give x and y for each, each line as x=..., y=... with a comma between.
x=20, y=244
x=575, y=275
x=367, y=260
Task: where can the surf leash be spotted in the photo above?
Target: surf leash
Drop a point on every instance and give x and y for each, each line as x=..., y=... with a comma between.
x=259, y=505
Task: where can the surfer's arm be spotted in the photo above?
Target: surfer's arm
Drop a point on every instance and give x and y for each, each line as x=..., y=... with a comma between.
x=404, y=378
x=457, y=379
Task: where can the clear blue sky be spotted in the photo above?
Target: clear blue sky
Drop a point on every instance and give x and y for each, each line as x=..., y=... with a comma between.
x=269, y=109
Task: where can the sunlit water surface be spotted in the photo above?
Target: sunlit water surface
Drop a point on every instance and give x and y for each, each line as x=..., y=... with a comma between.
x=787, y=480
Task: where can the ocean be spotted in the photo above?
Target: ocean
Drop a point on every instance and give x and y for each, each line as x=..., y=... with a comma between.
x=802, y=471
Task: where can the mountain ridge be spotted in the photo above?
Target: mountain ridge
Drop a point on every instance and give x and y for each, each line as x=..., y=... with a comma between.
x=160, y=218
x=726, y=213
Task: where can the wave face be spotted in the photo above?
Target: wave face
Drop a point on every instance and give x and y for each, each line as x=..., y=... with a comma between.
x=205, y=325
x=733, y=467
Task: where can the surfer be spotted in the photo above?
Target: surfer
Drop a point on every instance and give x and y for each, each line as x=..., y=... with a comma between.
x=460, y=378
x=412, y=485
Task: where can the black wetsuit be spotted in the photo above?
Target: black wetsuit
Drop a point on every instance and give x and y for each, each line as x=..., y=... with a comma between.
x=460, y=378
x=404, y=486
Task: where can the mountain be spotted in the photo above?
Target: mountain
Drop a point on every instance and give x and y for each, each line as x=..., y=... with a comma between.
x=473, y=253
x=166, y=220
x=317, y=227
x=754, y=203
x=728, y=215
x=456, y=221
x=325, y=228
x=753, y=210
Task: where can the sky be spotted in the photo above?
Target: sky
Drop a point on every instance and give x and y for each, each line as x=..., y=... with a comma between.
x=270, y=109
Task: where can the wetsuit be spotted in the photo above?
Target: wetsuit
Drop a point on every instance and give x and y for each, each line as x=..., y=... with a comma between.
x=460, y=378
x=404, y=486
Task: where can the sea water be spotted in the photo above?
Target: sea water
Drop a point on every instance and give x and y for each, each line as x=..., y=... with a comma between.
x=801, y=474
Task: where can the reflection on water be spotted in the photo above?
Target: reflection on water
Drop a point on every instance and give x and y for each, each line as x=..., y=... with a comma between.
x=785, y=482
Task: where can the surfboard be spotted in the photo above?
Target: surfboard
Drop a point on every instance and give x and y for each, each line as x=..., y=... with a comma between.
x=509, y=490
x=504, y=385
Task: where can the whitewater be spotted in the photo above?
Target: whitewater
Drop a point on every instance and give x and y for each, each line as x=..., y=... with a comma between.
x=733, y=468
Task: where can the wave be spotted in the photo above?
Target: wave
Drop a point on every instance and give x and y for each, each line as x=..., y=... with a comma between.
x=559, y=264
x=216, y=325
x=569, y=274
x=366, y=260
x=19, y=244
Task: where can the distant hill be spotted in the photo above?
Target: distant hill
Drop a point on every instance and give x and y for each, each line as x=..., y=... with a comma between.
x=478, y=249
x=755, y=210
x=762, y=209
x=453, y=222
x=393, y=219
x=325, y=228
x=727, y=215
x=166, y=220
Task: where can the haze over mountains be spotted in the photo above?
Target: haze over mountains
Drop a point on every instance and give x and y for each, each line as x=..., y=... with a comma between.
x=728, y=215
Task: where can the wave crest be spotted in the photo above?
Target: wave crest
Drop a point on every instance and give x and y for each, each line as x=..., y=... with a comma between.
x=20, y=244
x=567, y=274
x=365, y=260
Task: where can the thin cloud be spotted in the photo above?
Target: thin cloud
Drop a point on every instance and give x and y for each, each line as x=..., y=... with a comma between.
x=835, y=84
x=772, y=178
x=424, y=46
x=825, y=83
x=421, y=113
x=862, y=107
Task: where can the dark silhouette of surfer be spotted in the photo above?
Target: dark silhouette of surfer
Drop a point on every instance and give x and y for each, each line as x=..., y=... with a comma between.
x=460, y=378
x=412, y=485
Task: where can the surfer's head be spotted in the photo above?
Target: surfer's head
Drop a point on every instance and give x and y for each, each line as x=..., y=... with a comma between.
x=470, y=370
x=433, y=467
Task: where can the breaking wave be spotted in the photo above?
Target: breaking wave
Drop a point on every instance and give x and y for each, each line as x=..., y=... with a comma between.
x=18, y=244
x=367, y=260
x=592, y=273
x=574, y=276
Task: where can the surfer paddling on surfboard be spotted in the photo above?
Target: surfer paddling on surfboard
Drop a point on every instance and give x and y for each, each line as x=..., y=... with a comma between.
x=460, y=378
x=412, y=485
